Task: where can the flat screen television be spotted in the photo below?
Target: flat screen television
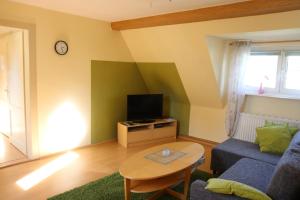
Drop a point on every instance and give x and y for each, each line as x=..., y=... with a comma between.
x=144, y=107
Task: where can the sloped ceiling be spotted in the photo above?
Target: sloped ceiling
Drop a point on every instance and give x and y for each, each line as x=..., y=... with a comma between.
x=189, y=52
x=186, y=45
x=164, y=78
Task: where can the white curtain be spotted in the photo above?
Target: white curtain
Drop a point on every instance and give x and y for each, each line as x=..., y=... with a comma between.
x=236, y=90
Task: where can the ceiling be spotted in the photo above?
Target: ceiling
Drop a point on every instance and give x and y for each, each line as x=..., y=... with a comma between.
x=117, y=10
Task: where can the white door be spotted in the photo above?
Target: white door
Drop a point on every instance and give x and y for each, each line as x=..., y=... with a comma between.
x=16, y=95
x=4, y=104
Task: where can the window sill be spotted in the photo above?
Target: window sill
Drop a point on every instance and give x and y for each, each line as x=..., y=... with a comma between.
x=279, y=96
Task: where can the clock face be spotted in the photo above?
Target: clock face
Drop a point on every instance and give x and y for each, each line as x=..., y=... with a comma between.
x=61, y=47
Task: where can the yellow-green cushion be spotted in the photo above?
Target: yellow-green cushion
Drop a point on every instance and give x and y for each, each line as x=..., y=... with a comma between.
x=223, y=186
x=273, y=139
x=292, y=130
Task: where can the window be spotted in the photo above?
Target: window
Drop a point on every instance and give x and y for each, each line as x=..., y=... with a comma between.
x=292, y=80
x=278, y=72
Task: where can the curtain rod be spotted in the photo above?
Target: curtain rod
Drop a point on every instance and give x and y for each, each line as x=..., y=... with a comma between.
x=270, y=42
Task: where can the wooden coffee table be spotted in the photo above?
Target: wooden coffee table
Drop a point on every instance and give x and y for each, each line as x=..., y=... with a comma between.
x=142, y=175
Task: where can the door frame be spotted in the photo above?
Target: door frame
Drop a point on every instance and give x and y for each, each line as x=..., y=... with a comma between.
x=30, y=84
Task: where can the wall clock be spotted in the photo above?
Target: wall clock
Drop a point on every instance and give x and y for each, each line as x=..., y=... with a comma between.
x=61, y=47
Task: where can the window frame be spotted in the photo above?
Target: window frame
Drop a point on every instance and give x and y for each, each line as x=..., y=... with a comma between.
x=283, y=88
x=280, y=89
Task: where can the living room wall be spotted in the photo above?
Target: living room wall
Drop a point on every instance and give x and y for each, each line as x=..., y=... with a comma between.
x=63, y=83
x=186, y=45
x=164, y=78
x=113, y=81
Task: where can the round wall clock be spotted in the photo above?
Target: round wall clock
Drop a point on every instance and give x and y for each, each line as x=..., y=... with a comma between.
x=61, y=47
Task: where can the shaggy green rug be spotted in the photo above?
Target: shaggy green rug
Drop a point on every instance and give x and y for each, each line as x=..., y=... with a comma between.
x=111, y=188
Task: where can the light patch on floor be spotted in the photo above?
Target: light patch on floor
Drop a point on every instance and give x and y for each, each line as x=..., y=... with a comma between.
x=46, y=171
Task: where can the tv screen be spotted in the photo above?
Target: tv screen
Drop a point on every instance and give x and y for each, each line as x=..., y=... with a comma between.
x=143, y=107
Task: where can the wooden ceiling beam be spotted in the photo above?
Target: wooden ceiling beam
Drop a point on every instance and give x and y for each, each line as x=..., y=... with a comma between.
x=241, y=9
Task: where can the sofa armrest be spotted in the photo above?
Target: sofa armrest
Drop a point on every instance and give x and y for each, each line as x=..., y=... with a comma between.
x=198, y=192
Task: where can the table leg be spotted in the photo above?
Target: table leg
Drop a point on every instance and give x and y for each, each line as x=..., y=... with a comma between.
x=187, y=179
x=127, y=188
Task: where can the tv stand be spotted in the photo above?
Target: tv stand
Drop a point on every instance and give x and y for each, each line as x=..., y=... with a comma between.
x=133, y=134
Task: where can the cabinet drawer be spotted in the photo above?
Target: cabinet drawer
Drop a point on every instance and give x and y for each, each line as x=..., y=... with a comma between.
x=164, y=132
x=140, y=136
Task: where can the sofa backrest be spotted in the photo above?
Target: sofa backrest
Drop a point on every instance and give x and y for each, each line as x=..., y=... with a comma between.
x=285, y=182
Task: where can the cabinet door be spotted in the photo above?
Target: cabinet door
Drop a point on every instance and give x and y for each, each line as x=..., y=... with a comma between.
x=164, y=132
x=139, y=136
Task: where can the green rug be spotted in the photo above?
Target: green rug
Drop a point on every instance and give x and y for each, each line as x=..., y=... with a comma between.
x=111, y=188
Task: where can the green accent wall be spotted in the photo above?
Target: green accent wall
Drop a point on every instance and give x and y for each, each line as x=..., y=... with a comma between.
x=111, y=82
x=164, y=78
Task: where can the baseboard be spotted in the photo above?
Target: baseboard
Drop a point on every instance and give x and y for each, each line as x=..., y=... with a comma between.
x=9, y=164
x=76, y=148
x=197, y=140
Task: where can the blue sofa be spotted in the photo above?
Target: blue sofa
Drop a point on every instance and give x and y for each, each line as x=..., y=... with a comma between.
x=226, y=154
x=277, y=176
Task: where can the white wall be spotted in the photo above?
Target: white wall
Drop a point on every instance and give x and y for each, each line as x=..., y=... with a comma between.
x=207, y=123
x=287, y=108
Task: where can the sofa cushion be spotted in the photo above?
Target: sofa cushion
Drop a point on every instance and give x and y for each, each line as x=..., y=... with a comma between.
x=293, y=130
x=229, y=152
x=285, y=182
x=223, y=186
x=273, y=139
x=251, y=172
x=198, y=192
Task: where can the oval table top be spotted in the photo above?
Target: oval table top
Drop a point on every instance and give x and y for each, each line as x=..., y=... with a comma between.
x=137, y=167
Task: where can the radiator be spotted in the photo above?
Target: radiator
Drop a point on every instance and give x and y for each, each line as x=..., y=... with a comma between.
x=248, y=123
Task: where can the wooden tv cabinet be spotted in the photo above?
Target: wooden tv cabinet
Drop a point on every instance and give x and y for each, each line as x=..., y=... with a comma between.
x=133, y=134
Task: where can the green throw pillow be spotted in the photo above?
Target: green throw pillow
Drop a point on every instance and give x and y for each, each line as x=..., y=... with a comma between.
x=292, y=130
x=273, y=139
x=271, y=124
x=223, y=186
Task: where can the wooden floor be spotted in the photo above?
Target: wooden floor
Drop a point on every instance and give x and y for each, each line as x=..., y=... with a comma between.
x=9, y=153
x=94, y=162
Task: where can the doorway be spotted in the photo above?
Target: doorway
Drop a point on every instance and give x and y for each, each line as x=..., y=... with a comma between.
x=13, y=135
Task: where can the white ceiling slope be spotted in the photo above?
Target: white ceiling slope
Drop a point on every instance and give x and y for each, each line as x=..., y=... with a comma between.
x=117, y=10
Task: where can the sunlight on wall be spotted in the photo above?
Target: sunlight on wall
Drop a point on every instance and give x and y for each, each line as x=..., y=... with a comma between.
x=65, y=129
x=47, y=170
